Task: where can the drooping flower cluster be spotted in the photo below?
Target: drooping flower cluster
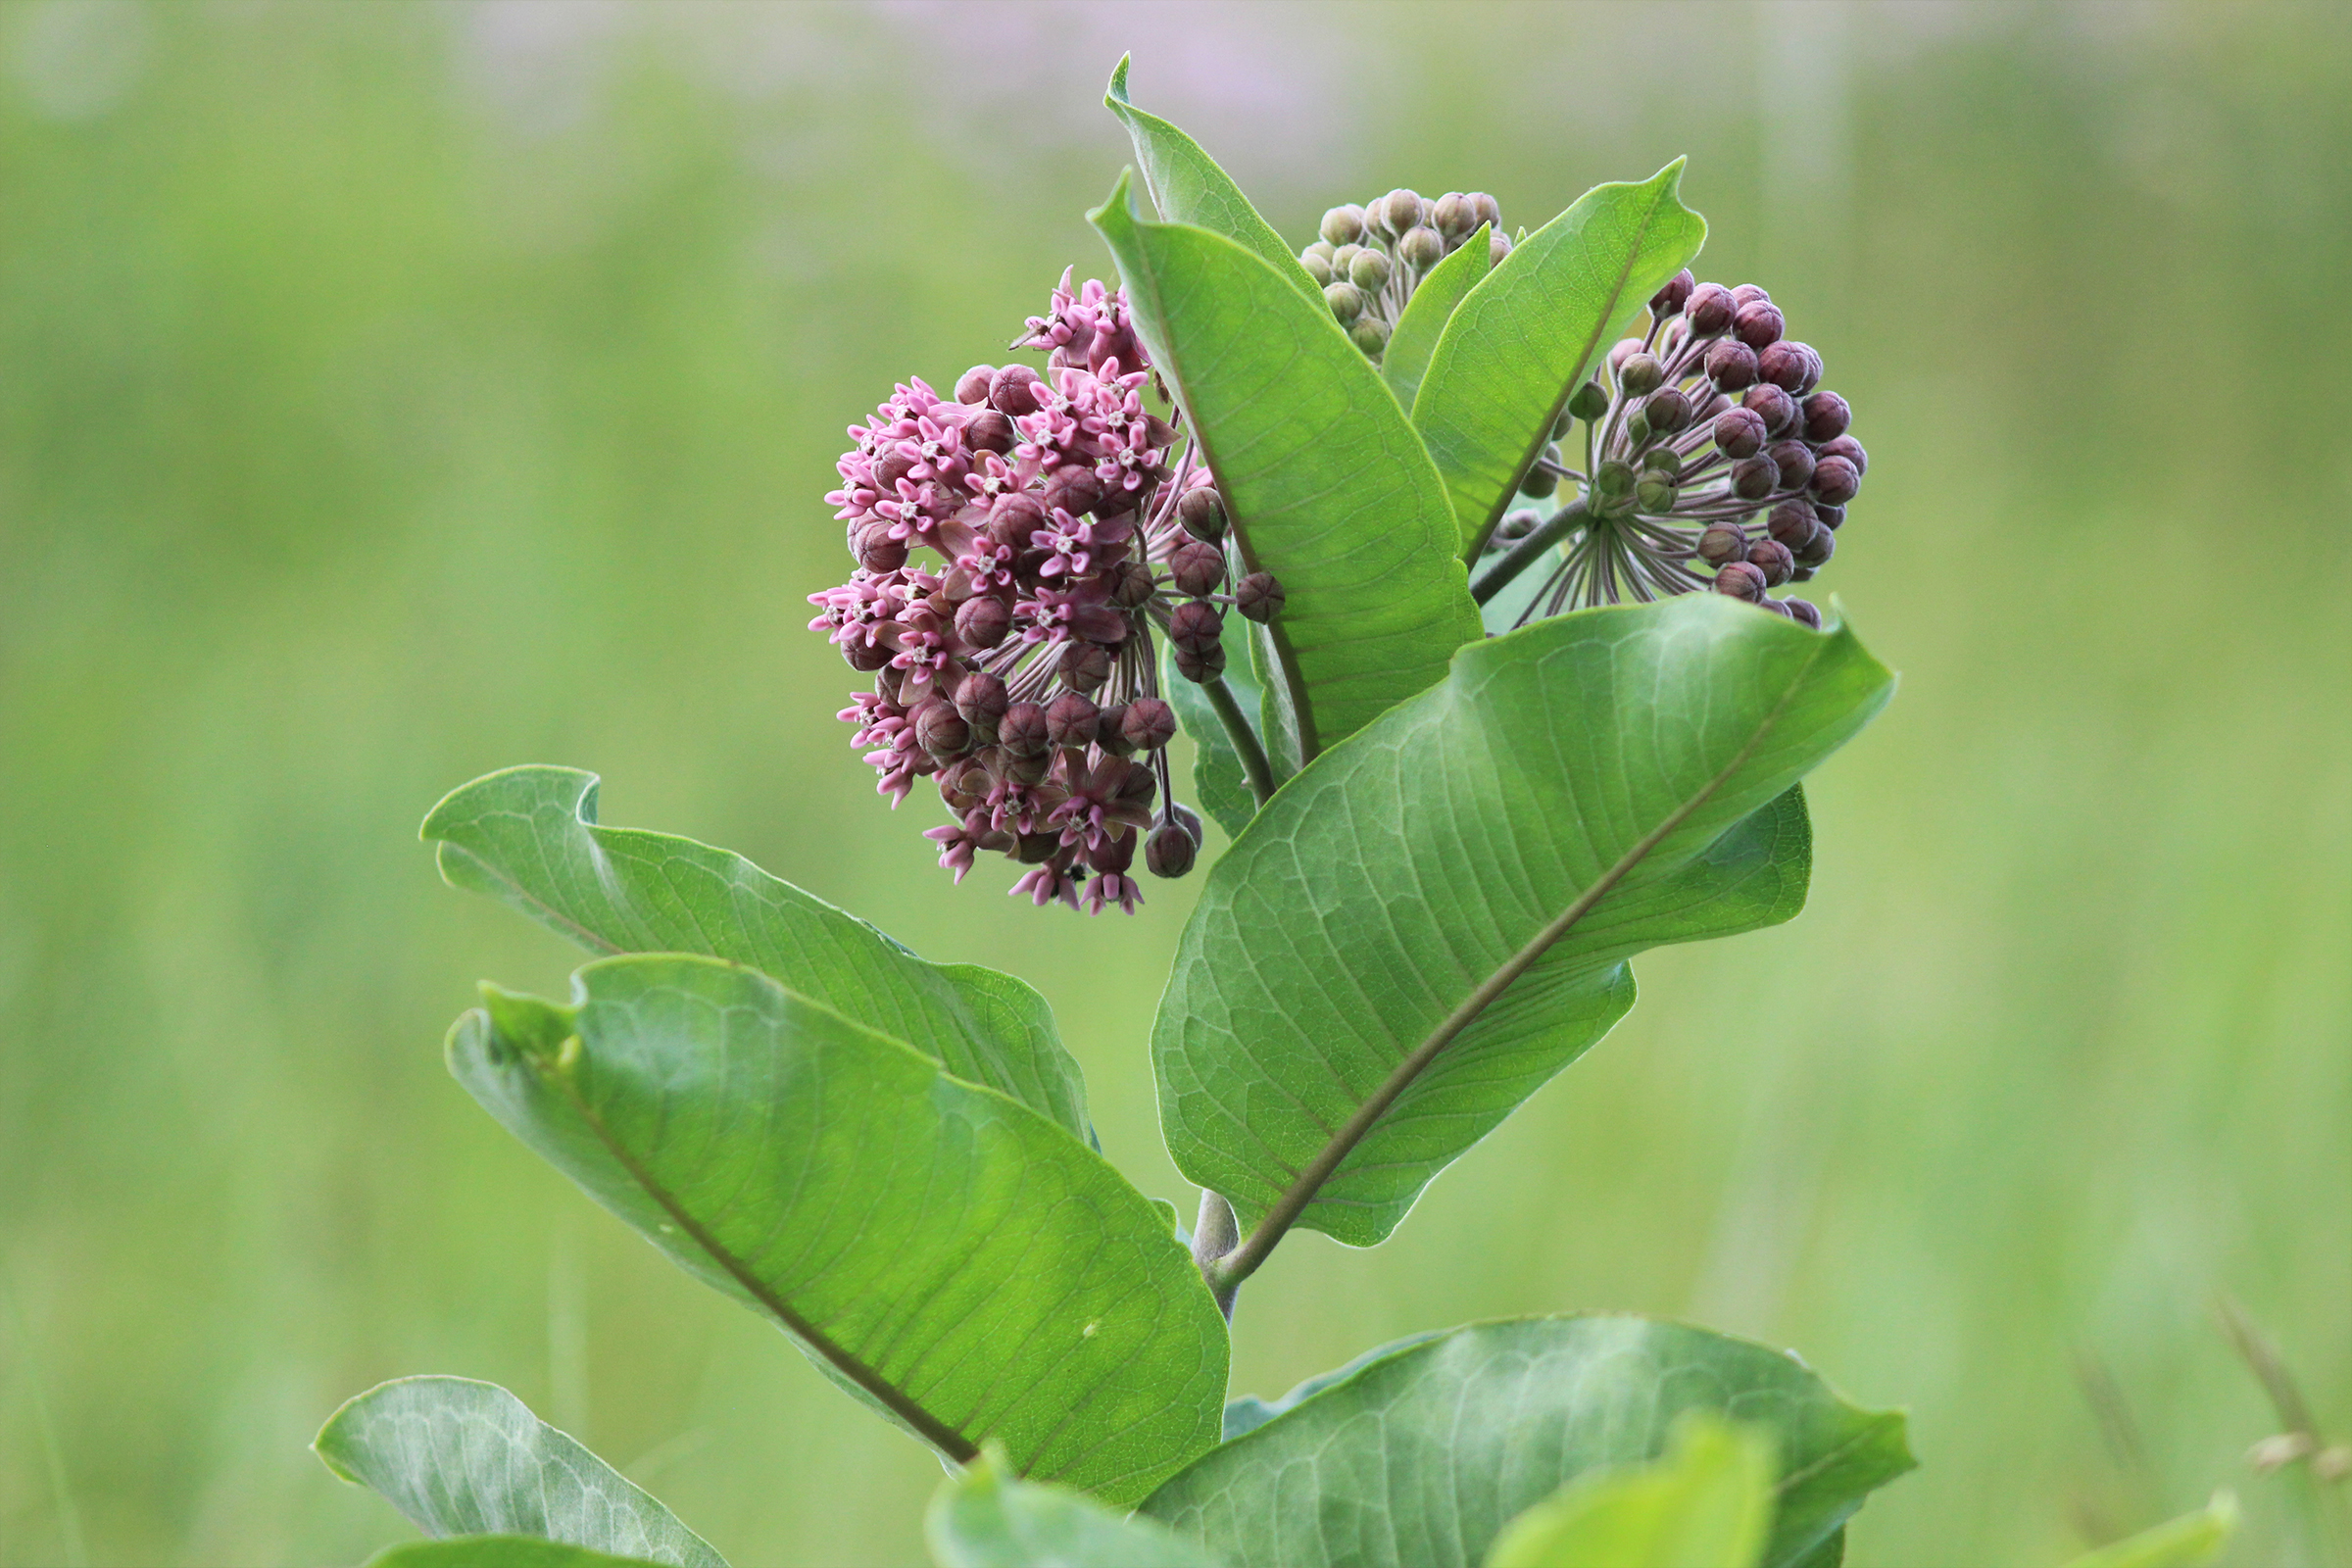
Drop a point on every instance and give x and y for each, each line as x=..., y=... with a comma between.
x=1709, y=448
x=1371, y=258
x=1014, y=665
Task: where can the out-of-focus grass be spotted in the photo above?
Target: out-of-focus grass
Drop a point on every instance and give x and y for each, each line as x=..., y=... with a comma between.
x=388, y=393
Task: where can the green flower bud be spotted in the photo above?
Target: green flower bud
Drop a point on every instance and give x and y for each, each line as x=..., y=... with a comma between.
x=1369, y=272
x=1344, y=258
x=1371, y=334
x=1398, y=211
x=1322, y=247
x=1656, y=492
x=1614, y=478
x=1454, y=215
x=1422, y=248
x=1640, y=374
x=1316, y=267
x=1562, y=425
x=1637, y=428
x=1515, y=526
x=1590, y=401
x=1343, y=224
x=1662, y=460
x=1538, y=483
x=1203, y=513
x=1346, y=300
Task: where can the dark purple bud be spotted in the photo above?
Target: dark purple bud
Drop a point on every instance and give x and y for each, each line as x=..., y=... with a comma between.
x=1826, y=418
x=890, y=467
x=1624, y=349
x=1013, y=390
x=983, y=623
x=1758, y=322
x=1588, y=402
x=1075, y=490
x=1731, y=365
x=1740, y=432
x=1015, y=518
x=1709, y=310
x=1131, y=585
x=1022, y=730
x=1792, y=522
x=989, y=432
x=1724, y=542
x=866, y=657
x=1198, y=570
x=1202, y=512
x=1195, y=626
x=1258, y=596
x=972, y=386
x=1787, y=365
x=1815, y=552
x=1772, y=558
x=982, y=701
x=1084, y=667
x=1150, y=724
x=1803, y=612
x=1832, y=517
x=1847, y=447
x=1776, y=407
x=1454, y=215
x=1170, y=851
x=889, y=683
x=1667, y=411
x=1033, y=768
x=940, y=730
x=1517, y=526
x=1070, y=719
x=1640, y=374
x=1670, y=300
x=1199, y=667
x=1836, y=480
x=1795, y=460
x=1110, y=729
x=1741, y=580
x=1748, y=294
x=876, y=550
x=1112, y=855
x=1754, y=478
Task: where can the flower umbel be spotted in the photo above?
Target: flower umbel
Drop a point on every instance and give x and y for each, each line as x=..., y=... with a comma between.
x=1371, y=258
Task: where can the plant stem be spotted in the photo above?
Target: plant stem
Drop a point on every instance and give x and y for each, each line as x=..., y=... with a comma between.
x=1245, y=1259
x=1528, y=551
x=1245, y=739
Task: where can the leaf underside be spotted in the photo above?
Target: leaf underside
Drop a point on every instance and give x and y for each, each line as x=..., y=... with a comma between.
x=1707, y=1501
x=1406, y=359
x=984, y=1519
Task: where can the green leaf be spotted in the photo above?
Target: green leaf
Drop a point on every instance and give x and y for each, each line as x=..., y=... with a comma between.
x=2189, y=1542
x=1707, y=1504
x=1323, y=479
x=1423, y=1454
x=942, y=1252
x=497, y=1551
x=459, y=1457
x=1386, y=894
x=1406, y=359
x=1218, y=780
x=1519, y=344
x=1188, y=187
x=985, y=1519
x=528, y=836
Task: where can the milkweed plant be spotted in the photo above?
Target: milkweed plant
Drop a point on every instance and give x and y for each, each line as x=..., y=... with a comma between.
x=1463, y=557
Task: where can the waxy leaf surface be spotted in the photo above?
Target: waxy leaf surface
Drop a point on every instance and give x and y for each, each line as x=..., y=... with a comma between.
x=530, y=837
x=1405, y=870
x=497, y=1551
x=459, y=1457
x=1706, y=1505
x=984, y=1519
x=1450, y=282
x=1420, y=1457
x=1325, y=483
x=944, y=1253
x=1519, y=343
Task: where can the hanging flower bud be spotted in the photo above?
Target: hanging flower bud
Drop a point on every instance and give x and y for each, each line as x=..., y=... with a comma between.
x=1498, y=245
x=1397, y=211
x=1110, y=729
x=1517, y=525
x=1754, y=478
x=1258, y=596
x=1203, y=513
x=1199, y=664
x=1722, y=543
x=1792, y=522
x=1741, y=580
x=989, y=432
x=1709, y=310
x=1656, y=492
x=1667, y=411
x=1776, y=407
x=1590, y=401
x=876, y=551
x=1074, y=490
x=1731, y=365
x=1070, y=719
x=1318, y=266
x=1195, y=626
x=1847, y=447
x=983, y=623
x=981, y=700
x=1795, y=460
x=1538, y=483
x=1750, y=294
x=1131, y=585
x=1830, y=515
x=972, y=386
x=1012, y=391
x=1740, y=432
x=1834, y=481
x=1197, y=569
x=1022, y=730
x=1169, y=852
x=1149, y=724
x=1787, y=365
x=1826, y=416
x=1758, y=322
x=1485, y=210
x=1640, y=374
x=1803, y=612
x=1816, y=551
x=1084, y=667
x=1770, y=557
x=1670, y=300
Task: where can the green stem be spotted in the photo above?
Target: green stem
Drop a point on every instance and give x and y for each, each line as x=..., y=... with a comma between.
x=1245, y=739
x=1528, y=551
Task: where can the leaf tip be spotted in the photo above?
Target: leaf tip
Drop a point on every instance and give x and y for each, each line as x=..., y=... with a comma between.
x=1115, y=97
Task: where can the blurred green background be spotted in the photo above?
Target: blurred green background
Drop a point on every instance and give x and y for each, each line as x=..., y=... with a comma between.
x=390, y=393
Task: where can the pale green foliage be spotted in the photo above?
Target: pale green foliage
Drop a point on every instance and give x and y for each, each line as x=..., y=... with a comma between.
x=986, y=1518
x=1406, y=359
x=497, y=1551
x=1706, y=1505
x=2189, y=1541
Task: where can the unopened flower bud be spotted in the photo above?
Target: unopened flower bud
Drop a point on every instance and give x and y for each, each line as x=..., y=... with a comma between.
x=940, y=730
x=1344, y=225
x=1816, y=551
x=1538, y=483
x=1317, y=267
x=1197, y=569
x=1614, y=478
x=1826, y=418
x=1022, y=730
x=1759, y=323
x=1170, y=850
x=1791, y=366
x=890, y=467
x=1667, y=411
x=1722, y=543
x=990, y=432
x=972, y=386
x=876, y=550
x=1070, y=719
x=1804, y=613
x=1834, y=481
x=1131, y=585
x=1498, y=245
x=1084, y=667
x=1795, y=462
x=1074, y=489
x=1656, y=492
x=983, y=623
x=1640, y=374
x=1487, y=209
x=1454, y=215
x=1590, y=401
x=1709, y=310
x=981, y=700
x=1322, y=247
x=1343, y=259
x=1421, y=248
x=1662, y=460
x=1399, y=209
x=1740, y=432
x=1792, y=522
x=1772, y=558
x=1369, y=272
x=1624, y=349
x=1670, y=300
x=1200, y=666
x=1832, y=517
x=1847, y=447
x=1517, y=525
x=1110, y=729
x=1731, y=365
x=1150, y=723
x=1013, y=390
x=1754, y=478
x=1740, y=580
x=1203, y=513
x=1777, y=408
x=1369, y=333
x=1346, y=300
x=1258, y=596
x=1195, y=625
x=1748, y=294
x=866, y=657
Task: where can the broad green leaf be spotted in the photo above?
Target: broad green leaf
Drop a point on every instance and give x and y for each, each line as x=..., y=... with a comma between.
x=1426, y=1452
x=1707, y=1504
x=1389, y=890
x=1405, y=360
x=1218, y=780
x=459, y=1457
x=1188, y=187
x=528, y=836
x=497, y=1551
x=1518, y=345
x=2189, y=1541
x=944, y=1253
x=1326, y=484
x=1250, y=1413
x=985, y=1519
